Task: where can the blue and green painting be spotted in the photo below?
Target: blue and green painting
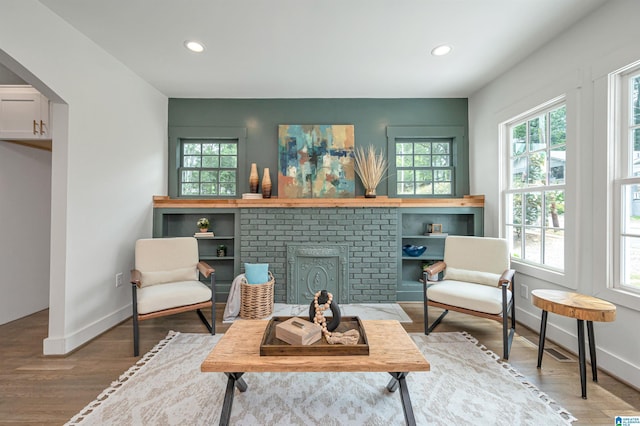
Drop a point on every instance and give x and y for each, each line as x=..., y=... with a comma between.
x=315, y=161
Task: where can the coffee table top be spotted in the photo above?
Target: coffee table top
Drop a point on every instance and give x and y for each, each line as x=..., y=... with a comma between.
x=574, y=305
x=390, y=350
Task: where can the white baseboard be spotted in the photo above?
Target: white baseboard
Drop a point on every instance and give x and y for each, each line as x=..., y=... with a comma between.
x=65, y=344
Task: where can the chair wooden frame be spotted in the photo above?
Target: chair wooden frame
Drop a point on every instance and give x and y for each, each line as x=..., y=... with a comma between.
x=506, y=282
x=204, y=269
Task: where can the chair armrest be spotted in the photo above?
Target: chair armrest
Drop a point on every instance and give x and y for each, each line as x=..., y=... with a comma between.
x=435, y=268
x=507, y=278
x=136, y=276
x=205, y=269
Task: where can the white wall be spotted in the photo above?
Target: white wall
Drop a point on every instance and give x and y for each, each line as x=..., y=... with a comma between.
x=574, y=65
x=25, y=211
x=109, y=158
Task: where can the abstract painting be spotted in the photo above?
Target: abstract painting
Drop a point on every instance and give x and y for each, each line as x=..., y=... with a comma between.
x=316, y=161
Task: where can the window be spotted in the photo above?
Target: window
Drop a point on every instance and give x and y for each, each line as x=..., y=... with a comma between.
x=208, y=167
x=427, y=161
x=625, y=88
x=535, y=186
x=424, y=167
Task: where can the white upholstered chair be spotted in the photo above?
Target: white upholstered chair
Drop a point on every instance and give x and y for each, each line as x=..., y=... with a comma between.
x=165, y=281
x=477, y=281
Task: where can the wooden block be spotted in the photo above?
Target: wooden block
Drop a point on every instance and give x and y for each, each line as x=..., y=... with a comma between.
x=298, y=331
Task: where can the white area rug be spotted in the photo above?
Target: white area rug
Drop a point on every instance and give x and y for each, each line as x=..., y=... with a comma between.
x=466, y=385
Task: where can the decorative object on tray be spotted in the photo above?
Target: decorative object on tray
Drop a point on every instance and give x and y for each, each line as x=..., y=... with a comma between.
x=370, y=166
x=266, y=183
x=203, y=224
x=316, y=161
x=433, y=229
x=222, y=250
x=413, y=251
x=298, y=331
x=322, y=301
x=272, y=346
x=253, y=179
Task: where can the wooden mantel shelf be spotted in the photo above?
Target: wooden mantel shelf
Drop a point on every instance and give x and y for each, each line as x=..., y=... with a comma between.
x=162, y=201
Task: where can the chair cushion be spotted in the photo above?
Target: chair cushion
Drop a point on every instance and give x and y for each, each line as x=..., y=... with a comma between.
x=256, y=273
x=482, y=254
x=476, y=297
x=161, y=277
x=159, y=297
x=478, y=277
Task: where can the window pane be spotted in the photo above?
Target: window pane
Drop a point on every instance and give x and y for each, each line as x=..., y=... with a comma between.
x=422, y=161
x=441, y=148
x=514, y=234
x=518, y=172
x=631, y=210
x=404, y=161
x=208, y=176
x=442, y=188
x=441, y=160
x=514, y=215
x=424, y=188
x=554, y=202
x=519, y=139
x=210, y=149
x=190, y=189
x=191, y=148
x=404, y=148
x=558, y=126
x=191, y=161
x=635, y=167
x=442, y=175
x=423, y=176
x=228, y=149
x=405, y=188
x=631, y=262
x=635, y=101
x=228, y=162
x=557, y=165
x=210, y=162
x=228, y=189
x=554, y=248
x=532, y=245
x=537, y=133
x=190, y=176
x=208, y=189
x=533, y=208
x=537, y=170
x=423, y=148
x=405, y=175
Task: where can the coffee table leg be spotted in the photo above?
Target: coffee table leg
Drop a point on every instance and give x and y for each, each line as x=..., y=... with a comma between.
x=235, y=381
x=543, y=331
x=581, y=358
x=592, y=350
x=398, y=379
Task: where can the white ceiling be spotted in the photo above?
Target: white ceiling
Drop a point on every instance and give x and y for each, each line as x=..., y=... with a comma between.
x=320, y=48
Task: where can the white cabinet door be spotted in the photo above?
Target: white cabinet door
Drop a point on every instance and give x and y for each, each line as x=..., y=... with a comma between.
x=24, y=114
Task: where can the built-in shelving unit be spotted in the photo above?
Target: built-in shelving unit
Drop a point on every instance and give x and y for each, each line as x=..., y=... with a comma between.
x=413, y=223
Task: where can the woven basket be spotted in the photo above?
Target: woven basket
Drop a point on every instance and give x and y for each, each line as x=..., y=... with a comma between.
x=256, y=300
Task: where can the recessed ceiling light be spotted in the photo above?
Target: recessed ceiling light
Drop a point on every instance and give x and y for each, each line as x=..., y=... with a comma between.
x=194, y=46
x=441, y=50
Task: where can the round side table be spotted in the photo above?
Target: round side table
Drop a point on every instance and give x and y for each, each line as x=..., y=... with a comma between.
x=581, y=307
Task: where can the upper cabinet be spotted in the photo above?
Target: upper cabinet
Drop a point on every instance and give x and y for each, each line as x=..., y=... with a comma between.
x=24, y=114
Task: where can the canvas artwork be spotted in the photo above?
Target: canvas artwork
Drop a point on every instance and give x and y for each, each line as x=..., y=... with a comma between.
x=316, y=161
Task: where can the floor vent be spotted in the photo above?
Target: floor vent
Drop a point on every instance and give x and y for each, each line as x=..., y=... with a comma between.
x=555, y=353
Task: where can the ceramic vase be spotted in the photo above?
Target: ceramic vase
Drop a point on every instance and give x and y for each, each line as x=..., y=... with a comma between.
x=253, y=179
x=370, y=193
x=266, y=183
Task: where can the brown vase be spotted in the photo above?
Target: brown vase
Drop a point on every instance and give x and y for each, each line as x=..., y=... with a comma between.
x=253, y=179
x=266, y=183
x=370, y=193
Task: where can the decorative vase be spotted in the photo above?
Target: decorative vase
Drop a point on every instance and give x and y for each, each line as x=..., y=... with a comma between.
x=370, y=193
x=204, y=229
x=253, y=179
x=266, y=183
x=222, y=252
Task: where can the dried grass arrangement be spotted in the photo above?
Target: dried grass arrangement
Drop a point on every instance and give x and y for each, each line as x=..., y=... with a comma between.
x=370, y=166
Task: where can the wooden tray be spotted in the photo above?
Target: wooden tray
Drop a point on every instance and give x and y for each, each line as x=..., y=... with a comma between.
x=272, y=346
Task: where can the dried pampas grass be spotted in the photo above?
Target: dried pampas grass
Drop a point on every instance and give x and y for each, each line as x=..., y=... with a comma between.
x=370, y=166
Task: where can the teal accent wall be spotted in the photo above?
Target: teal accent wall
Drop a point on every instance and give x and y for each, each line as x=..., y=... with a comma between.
x=370, y=117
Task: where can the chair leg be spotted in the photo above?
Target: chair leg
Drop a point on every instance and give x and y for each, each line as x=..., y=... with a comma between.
x=507, y=333
x=136, y=332
x=204, y=321
x=213, y=303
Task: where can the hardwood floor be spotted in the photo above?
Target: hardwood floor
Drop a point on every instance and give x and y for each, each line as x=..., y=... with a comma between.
x=39, y=390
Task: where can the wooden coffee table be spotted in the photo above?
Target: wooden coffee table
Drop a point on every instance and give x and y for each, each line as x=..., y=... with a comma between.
x=390, y=350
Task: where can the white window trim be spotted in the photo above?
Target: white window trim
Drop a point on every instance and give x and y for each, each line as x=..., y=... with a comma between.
x=565, y=279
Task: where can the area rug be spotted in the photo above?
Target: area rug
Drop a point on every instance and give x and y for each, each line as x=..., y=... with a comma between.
x=467, y=384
